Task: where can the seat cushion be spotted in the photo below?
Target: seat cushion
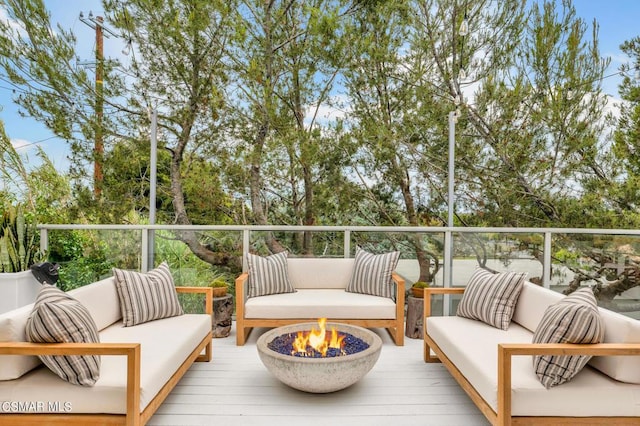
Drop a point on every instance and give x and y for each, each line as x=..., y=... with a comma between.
x=316, y=303
x=472, y=346
x=165, y=344
x=59, y=318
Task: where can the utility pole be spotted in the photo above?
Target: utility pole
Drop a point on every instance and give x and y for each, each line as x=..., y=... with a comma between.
x=97, y=24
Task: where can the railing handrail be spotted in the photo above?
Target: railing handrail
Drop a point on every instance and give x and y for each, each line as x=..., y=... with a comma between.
x=459, y=229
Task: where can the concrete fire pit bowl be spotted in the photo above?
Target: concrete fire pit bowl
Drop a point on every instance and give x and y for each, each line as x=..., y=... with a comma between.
x=320, y=375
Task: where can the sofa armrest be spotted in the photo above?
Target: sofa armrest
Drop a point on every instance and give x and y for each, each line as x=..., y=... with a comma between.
x=208, y=292
x=428, y=291
x=507, y=350
x=399, y=296
x=400, y=284
x=242, y=290
x=130, y=350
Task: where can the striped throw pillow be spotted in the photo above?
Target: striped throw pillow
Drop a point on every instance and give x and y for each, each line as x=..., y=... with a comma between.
x=268, y=275
x=491, y=298
x=574, y=319
x=59, y=318
x=372, y=273
x=147, y=296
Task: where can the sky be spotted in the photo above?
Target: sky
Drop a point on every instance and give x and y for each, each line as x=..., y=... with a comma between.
x=617, y=19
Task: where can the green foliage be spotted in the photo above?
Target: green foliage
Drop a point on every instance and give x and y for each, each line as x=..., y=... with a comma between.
x=82, y=271
x=566, y=256
x=242, y=89
x=218, y=283
x=421, y=284
x=19, y=243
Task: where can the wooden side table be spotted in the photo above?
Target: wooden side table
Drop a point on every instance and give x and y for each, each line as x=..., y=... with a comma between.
x=415, y=308
x=221, y=316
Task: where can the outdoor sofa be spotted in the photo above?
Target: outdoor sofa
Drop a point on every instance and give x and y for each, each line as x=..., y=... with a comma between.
x=495, y=367
x=139, y=364
x=319, y=290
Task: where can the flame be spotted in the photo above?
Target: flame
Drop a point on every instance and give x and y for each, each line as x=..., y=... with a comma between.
x=318, y=340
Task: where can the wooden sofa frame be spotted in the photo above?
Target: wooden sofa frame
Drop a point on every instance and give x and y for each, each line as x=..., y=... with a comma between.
x=394, y=326
x=133, y=417
x=503, y=415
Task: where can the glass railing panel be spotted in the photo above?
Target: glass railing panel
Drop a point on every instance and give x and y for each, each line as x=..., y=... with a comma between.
x=421, y=253
x=609, y=264
x=298, y=243
x=495, y=251
x=86, y=256
x=222, y=261
x=499, y=252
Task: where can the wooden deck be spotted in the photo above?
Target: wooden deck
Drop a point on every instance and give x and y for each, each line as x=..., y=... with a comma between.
x=236, y=389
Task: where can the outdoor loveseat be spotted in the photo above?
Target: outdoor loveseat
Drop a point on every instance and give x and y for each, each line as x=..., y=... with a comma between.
x=139, y=364
x=496, y=369
x=319, y=290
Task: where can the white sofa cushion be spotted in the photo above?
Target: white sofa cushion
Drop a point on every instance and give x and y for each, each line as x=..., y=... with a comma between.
x=619, y=329
x=101, y=299
x=12, y=329
x=320, y=272
x=268, y=275
x=491, y=298
x=472, y=346
x=59, y=318
x=320, y=303
x=165, y=345
x=532, y=303
x=574, y=319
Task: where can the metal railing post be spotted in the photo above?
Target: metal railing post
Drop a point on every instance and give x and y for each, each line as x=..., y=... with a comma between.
x=144, y=261
x=448, y=269
x=546, y=261
x=44, y=240
x=347, y=244
x=246, y=240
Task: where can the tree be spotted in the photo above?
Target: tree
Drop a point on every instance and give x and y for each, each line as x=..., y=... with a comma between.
x=283, y=79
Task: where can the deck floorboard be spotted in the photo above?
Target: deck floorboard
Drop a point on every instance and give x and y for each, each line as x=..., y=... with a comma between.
x=235, y=389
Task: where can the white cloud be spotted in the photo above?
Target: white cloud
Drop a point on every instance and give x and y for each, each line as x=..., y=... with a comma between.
x=19, y=144
x=328, y=113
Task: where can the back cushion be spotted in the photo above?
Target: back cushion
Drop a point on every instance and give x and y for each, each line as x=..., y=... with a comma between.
x=317, y=272
x=101, y=299
x=619, y=329
x=12, y=329
x=532, y=303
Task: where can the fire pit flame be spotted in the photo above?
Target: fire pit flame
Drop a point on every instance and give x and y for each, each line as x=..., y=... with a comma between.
x=318, y=341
